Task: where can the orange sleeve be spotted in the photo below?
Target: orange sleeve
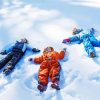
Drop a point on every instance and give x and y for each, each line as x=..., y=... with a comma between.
x=38, y=60
x=61, y=55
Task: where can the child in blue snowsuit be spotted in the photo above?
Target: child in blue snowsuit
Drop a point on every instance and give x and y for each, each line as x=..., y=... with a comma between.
x=87, y=38
x=14, y=54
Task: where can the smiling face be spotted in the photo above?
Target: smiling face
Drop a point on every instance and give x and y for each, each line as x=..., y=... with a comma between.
x=48, y=49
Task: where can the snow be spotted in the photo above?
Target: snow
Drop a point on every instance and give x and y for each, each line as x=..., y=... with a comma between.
x=80, y=75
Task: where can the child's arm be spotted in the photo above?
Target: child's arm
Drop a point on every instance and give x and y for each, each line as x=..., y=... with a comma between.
x=36, y=60
x=74, y=39
x=6, y=49
x=62, y=53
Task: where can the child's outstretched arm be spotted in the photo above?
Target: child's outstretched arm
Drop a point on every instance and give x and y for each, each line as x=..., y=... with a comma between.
x=71, y=40
x=36, y=60
x=6, y=49
x=62, y=53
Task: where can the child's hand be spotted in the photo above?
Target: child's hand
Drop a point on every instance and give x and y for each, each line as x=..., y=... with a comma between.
x=64, y=49
x=66, y=41
x=30, y=59
x=3, y=53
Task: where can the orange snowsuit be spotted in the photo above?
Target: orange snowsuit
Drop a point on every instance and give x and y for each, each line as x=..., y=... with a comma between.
x=50, y=66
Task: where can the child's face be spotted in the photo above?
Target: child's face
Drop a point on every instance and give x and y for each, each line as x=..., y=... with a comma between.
x=48, y=49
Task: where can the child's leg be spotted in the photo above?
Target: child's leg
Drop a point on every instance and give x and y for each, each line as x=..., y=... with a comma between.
x=11, y=64
x=95, y=43
x=55, y=75
x=43, y=76
x=89, y=49
x=43, y=73
x=4, y=61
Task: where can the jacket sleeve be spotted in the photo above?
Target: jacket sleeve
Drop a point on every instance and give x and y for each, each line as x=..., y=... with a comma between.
x=29, y=47
x=74, y=39
x=38, y=60
x=61, y=55
x=7, y=48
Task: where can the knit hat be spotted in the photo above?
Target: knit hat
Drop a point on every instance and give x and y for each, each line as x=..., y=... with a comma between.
x=24, y=40
x=48, y=49
x=76, y=31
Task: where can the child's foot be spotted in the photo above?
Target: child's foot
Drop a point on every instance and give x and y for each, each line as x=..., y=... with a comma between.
x=41, y=87
x=55, y=86
x=92, y=55
x=7, y=70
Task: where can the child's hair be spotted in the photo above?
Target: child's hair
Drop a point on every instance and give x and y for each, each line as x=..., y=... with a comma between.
x=76, y=31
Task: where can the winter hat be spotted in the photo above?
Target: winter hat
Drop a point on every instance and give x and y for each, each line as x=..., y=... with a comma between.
x=48, y=49
x=76, y=31
x=24, y=40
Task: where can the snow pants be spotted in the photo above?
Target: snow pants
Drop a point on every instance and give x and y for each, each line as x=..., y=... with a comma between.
x=89, y=48
x=50, y=69
x=95, y=42
x=11, y=60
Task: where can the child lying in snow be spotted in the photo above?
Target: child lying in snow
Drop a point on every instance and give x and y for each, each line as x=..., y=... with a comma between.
x=14, y=54
x=50, y=67
x=87, y=38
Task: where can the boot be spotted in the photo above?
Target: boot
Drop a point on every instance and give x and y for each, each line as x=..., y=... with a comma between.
x=92, y=55
x=7, y=70
x=41, y=87
x=55, y=86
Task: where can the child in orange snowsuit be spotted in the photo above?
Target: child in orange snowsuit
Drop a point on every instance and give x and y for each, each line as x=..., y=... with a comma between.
x=50, y=67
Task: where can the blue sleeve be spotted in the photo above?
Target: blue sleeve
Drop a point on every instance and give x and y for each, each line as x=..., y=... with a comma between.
x=75, y=39
x=8, y=48
x=29, y=47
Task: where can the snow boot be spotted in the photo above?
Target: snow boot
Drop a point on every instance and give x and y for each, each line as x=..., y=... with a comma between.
x=55, y=86
x=7, y=70
x=41, y=87
x=35, y=50
x=92, y=55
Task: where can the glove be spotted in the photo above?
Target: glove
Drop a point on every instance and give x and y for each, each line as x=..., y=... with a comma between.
x=3, y=53
x=41, y=88
x=30, y=59
x=35, y=50
x=66, y=41
x=64, y=49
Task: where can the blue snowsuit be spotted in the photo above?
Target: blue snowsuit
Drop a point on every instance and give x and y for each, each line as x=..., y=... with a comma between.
x=14, y=54
x=88, y=39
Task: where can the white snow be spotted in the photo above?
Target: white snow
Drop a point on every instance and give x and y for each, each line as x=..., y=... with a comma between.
x=80, y=75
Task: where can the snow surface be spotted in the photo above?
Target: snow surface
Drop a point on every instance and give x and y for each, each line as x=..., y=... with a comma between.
x=47, y=24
